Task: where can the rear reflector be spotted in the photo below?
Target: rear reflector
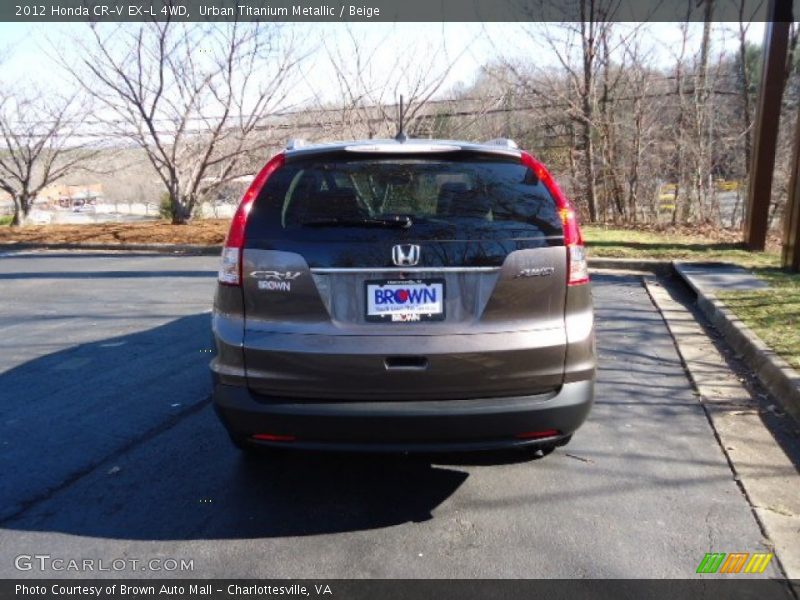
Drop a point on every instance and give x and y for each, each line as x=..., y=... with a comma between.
x=230, y=271
x=273, y=437
x=229, y=266
x=537, y=435
x=578, y=266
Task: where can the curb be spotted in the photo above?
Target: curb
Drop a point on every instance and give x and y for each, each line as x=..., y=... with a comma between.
x=764, y=472
x=782, y=381
x=161, y=248
x=652, y=265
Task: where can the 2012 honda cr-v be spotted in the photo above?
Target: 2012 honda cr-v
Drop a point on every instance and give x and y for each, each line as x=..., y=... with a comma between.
x=403, y=296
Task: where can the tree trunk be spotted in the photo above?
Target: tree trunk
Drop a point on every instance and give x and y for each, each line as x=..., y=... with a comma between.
x=573, y=163
x=178, y=209
x=704, y=132
x=15, y=221
x=636, y=150
x=179, y=216
x=588, y=169
x=747, y=121
x=588, y=31
x=611, y=192
x=22, y=206
x=588, y=158
x=680, y=205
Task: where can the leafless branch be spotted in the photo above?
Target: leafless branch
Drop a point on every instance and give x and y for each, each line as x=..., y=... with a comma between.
x=197, y=99
x=39, y=144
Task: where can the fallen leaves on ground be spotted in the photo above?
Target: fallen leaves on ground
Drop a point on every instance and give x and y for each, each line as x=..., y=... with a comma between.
x=209, y=232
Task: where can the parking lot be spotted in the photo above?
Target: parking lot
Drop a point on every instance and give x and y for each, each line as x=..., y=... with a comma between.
x=109, y=448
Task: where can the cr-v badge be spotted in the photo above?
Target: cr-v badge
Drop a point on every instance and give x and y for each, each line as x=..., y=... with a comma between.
x=405, y=255
x=275, y=281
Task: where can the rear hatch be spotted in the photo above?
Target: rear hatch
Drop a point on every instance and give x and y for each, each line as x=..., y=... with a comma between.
x=370, y=275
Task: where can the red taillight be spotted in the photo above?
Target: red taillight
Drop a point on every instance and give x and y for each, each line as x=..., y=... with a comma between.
x=273, y=437
x=578, y=269
x=538, y=435
x=572, y=233
x=230, y=271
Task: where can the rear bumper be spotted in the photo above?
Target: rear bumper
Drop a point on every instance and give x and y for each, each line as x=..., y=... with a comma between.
x=409, y=426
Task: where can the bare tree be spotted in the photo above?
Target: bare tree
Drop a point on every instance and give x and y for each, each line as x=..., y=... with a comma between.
x=647, y=102
x=197, y=98
x=680, y=200
x=703, y=123
x=609, y=134
x=694, y=147
x=576, y=46
x=367, y=86
x=746, y=74
x=39, y=144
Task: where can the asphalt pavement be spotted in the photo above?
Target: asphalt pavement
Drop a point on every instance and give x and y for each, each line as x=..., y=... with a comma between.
x=109, y=449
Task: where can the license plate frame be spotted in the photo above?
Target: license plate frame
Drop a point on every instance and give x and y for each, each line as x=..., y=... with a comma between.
x=413, y=316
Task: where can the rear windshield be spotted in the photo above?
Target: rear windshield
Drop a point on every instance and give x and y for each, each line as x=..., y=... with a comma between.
x=423, y=198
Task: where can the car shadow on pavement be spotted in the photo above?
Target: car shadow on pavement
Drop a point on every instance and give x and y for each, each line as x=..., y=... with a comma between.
x=116, y=438
x=189, y=483
x=65, y=412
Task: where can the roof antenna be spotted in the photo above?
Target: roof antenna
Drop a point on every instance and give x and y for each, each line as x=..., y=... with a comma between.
x=401, y=135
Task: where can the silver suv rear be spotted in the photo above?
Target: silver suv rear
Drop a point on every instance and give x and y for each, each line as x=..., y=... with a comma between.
x=417, y=295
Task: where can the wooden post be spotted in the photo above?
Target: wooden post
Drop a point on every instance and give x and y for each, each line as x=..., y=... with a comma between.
x=790, y=258
x=776, y=42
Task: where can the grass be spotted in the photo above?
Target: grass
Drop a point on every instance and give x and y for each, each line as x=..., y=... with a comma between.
x=773, y=314
x=675, y=245
x=6, y=220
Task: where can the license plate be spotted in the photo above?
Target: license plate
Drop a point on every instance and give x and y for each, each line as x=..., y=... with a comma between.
x=405, y=301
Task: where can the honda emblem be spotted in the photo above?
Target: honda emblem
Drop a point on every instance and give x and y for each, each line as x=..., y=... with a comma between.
x=405, y=255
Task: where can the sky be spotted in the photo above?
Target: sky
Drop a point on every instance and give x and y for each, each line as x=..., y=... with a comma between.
x=28, y=46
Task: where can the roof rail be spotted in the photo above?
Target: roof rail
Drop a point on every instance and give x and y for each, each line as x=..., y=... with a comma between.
x=504, y=142
x=295, y=143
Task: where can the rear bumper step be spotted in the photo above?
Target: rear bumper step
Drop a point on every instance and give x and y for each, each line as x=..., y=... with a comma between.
x=435, y=425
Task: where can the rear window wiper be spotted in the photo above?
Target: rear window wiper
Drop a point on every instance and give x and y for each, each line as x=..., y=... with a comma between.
x=399, y=221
